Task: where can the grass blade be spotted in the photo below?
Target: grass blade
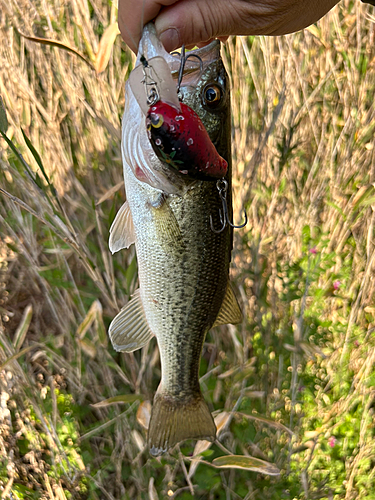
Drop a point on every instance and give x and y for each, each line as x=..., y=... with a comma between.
x=3, y=117
x=59, y=45
x=246, y=463
x=23, y=327
x=121, y=399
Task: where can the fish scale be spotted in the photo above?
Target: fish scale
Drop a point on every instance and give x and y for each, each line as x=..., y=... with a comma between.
x=183, y=265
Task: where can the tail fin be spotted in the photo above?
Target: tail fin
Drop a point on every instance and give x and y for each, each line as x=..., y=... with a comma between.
x=173, y=421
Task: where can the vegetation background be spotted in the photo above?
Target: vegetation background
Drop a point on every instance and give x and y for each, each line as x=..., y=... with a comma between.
x=294, y=384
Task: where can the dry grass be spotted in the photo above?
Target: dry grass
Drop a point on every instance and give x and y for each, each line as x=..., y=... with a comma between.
x=303, y=145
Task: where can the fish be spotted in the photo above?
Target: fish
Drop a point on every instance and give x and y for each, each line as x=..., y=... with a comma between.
x=183, y=265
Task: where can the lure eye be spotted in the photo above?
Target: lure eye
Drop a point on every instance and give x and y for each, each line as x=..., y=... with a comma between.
x=212, y=95
x=156, y=120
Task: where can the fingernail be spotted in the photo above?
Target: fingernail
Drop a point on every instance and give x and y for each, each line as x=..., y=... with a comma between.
x=170, y=38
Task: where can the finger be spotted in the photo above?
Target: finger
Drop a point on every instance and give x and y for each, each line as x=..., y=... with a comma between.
x=203, y=44
x=191, y=22
x=132, y=16
x=200, y=44
x=194, y=22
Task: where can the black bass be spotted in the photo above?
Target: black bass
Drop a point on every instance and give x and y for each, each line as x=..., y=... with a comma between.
x=183, y=264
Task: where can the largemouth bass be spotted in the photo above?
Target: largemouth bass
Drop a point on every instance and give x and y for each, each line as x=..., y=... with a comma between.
x=183, y=264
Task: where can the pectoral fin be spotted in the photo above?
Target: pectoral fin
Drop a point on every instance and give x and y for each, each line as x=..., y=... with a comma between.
x=129, y=330
x=122, y=230
x=230, y=311
x=166, y=223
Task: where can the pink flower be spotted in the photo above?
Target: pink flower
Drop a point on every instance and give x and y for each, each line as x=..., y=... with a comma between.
x=336, y=284
x=332, y=441
x=313, y=250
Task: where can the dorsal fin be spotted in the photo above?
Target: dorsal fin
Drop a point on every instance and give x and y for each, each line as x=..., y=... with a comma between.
x=122, y=230
x=129, y=330
x=230, y=311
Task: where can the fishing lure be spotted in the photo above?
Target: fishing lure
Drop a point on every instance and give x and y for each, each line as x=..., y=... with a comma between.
x=176, y=132
x=180, y=139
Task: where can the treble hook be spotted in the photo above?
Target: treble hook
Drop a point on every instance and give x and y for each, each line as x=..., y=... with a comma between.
x=222, y=187
x=184, y=58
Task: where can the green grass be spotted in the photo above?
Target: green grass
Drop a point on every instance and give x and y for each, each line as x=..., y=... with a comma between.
x=296, y=378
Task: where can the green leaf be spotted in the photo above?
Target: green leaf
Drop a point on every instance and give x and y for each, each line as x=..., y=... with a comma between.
x=282, y=185
x=246, y=463
x=207, y=453
x=13, y=147
x=3, y=117
x=37, y=178
x=123, y=398
x=18, y=154
x=131, y=272
x=38, y=181
x=35, y=154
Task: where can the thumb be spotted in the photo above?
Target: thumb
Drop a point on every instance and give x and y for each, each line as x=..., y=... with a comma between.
x=191, y=22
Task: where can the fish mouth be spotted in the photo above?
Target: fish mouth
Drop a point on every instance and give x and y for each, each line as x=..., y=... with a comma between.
x=198, y=60
x=150, y=79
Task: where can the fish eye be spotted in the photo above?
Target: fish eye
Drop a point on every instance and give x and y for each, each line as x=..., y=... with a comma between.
x=156, y=120
x=212, y=95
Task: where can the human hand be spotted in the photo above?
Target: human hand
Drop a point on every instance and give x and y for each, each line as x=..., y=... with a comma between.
x=193, y=22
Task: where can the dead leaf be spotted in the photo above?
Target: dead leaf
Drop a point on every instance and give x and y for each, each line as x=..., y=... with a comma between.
x=144, y=414
x=152, y=493
x=92, y=314
x=220, y=421
x=110, y=192
x=138, y=439
x=99, y=325
x=105, y=47
x=23, y=327
x=87, y=347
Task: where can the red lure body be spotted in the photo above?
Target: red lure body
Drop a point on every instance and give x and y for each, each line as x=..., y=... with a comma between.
x=180, y=139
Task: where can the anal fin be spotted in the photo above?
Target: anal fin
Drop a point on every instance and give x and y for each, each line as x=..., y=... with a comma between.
x=230, y=311
x=173, y=420
x=129, y=330
x=122, y=230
